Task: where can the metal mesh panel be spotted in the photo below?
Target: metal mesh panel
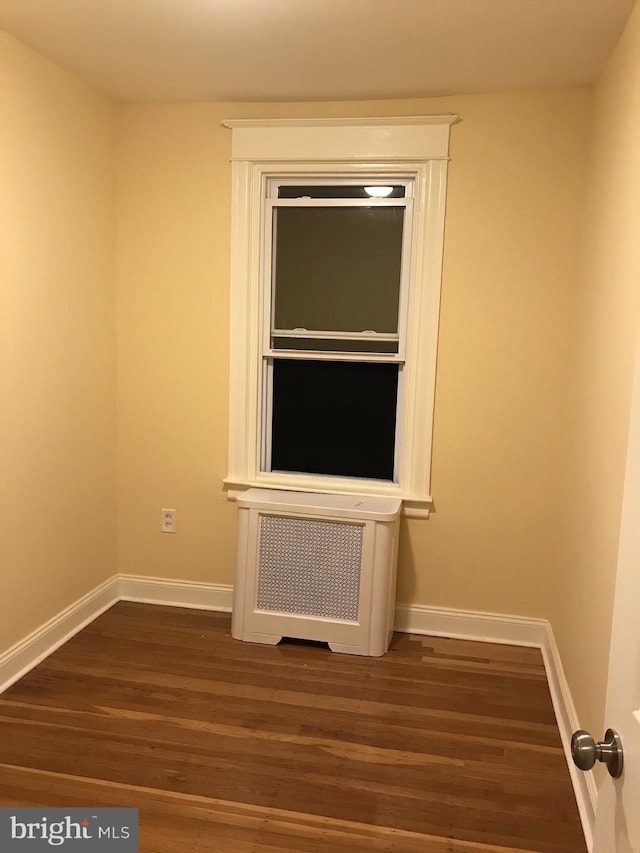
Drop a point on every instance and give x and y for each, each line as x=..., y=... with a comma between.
x=309, y=567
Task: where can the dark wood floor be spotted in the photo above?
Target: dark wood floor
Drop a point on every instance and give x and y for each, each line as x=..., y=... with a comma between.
x=443, y=746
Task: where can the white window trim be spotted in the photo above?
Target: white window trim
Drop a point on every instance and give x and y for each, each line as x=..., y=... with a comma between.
x=408, y=147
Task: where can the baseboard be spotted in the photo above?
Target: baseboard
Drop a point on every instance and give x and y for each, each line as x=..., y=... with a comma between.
x=174, y=593
x=470, y=625
x=27, y=653
x=415, y=619
x=584, y=783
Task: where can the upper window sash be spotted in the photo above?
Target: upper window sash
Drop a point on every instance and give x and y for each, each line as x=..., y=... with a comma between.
x=271, y=331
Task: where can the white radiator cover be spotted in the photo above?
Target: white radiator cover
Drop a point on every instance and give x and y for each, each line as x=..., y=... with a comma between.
x=316, y=567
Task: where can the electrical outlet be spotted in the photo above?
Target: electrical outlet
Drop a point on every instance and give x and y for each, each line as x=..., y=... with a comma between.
x=168, y=520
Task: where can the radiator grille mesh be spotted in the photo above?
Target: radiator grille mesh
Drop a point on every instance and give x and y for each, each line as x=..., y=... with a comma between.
x=309, y=567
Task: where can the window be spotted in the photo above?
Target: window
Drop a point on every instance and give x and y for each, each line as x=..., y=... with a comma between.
x=333, y=344
x=336, y=261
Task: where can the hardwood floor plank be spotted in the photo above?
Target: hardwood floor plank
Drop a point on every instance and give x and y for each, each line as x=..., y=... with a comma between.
x=227, y=821
x=441, y=745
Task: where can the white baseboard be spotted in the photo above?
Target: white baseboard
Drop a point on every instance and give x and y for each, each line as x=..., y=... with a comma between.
x=38, y=645
x=470, y=625
x=415, y=619
x=584, y=783
x=173, y=593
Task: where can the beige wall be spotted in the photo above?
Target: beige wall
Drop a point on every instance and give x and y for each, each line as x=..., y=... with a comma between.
x=513, y=219
x=57, y=377
x=173, y=340
x=510, y=282
x=607, y=315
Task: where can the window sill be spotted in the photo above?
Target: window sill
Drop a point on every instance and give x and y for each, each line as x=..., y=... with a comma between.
x=412, y=506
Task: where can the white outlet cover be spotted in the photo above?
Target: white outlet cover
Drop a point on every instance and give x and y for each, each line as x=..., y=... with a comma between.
x=168, y=520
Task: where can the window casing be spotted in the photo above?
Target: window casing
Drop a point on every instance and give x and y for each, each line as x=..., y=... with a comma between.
x=292, y=179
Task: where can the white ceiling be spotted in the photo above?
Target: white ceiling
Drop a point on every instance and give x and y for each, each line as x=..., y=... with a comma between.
x=244, y=50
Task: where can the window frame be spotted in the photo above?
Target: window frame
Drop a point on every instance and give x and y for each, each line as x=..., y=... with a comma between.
x=269, y=353
x=310, y=151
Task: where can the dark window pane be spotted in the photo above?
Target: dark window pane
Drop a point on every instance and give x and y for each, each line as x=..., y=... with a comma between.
x=332, y=417
x=337, y=268
x=328, y=345
x=346, y=191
